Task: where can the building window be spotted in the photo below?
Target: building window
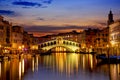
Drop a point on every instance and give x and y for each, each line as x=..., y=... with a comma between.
x=1, y=27
x=7, y=40
x=106, y=35
x=103, y=35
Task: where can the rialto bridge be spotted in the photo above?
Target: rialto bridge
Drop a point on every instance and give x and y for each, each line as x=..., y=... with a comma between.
x=59, y=42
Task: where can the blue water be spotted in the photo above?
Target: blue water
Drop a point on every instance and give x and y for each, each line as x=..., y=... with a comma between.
x=58, y=66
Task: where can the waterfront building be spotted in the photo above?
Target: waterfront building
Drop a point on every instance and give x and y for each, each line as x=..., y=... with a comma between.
x=46, y=38
x=81, y=38
x=115, y=37
x=17, y=38
x=30, y=42
x=102, y=41
x=35, y=43
x=89, y=39
x=26, y=40
x=72, y=36
x=5, y=35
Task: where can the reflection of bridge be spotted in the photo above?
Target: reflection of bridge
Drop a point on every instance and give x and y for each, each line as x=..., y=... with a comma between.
x=59, y=42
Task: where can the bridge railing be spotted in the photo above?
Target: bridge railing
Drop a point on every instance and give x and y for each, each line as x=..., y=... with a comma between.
x=54, y=42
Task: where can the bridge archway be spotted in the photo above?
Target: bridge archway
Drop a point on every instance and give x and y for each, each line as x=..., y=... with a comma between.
x=67, y=49
x=59, y=42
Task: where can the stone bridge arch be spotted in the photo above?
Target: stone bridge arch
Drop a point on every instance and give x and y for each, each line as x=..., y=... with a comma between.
x=59, y=42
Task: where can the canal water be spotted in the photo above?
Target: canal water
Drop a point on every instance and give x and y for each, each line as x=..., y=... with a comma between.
x=58, y=66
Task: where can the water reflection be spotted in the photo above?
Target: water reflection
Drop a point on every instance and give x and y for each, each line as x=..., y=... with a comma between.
x=13, y=69
x=71, y=62
x=0, y=69
x=58, y=66
x=20, y=73
x=115, y=72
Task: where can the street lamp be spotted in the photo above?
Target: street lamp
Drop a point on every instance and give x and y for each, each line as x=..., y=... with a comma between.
x=23, y=46
x=20, y=47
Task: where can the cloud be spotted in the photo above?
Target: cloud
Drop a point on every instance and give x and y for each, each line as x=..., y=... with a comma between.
x=28, y=4
x=101, y=24
x=47, y=1
x=48, y=30
x=52, y=28
x=44, y=7
x=26, y=7
x=25, y=3
x=41, y=19
x=8, y=13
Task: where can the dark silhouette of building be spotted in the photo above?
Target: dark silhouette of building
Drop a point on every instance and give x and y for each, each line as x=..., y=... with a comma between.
x=110, y=18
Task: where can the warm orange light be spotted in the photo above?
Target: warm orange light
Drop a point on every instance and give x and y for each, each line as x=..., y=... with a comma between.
x=20, y=72
x=0, y=69
x=107, y=45
x=113, y=43
x=20, y=47
x=23, y=46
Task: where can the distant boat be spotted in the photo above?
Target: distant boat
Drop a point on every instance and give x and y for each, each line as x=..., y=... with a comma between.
x=87, y=52
x=108, y=59
x=101, y=56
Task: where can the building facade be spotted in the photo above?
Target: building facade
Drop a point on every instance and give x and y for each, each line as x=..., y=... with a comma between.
x=102, y=41
x=5, y=35
x=89, y=39
x=17, y=38
x=115, y=38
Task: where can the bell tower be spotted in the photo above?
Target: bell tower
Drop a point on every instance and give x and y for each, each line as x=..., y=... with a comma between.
x=110, y=18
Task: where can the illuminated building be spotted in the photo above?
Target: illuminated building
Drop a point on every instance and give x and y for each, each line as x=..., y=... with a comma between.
x=71, y=36
x=115, y=37
x=82, y=41
x=5, y=33
x=30, y=42
x=33, y=42
x=102, y=40
x=17, y=37
x=88, y=40
x=26, y=40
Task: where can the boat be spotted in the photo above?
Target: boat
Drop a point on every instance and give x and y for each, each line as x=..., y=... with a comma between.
x=108, y=59
x=101, y=56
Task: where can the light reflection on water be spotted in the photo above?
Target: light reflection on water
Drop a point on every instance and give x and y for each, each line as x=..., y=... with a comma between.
x=58, y=66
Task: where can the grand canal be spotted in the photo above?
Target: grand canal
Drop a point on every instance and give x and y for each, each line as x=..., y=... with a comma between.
x=58, y=66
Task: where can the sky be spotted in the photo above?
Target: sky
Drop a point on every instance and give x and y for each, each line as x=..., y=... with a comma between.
x=43, y=17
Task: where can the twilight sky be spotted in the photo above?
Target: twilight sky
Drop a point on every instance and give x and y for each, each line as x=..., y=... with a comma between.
x=53, y=16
